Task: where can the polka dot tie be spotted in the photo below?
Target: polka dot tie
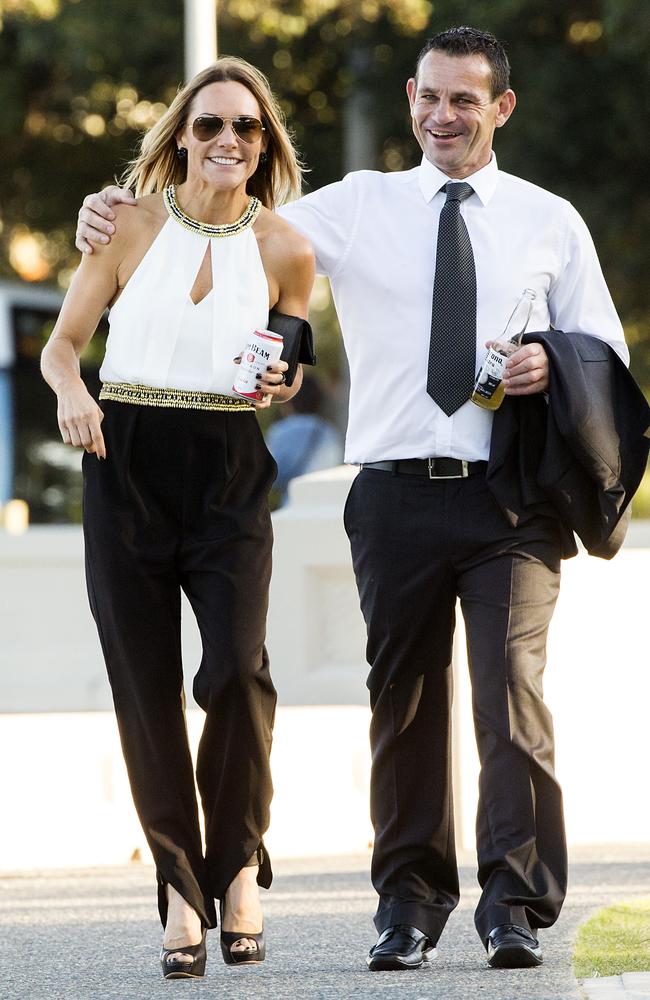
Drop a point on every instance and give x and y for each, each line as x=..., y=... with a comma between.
x=452, y=351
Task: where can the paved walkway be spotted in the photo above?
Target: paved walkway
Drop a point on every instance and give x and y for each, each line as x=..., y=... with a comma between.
x=94, y=935
x=626, y=987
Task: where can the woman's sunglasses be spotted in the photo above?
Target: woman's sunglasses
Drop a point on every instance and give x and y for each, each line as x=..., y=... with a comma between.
x=206, y=127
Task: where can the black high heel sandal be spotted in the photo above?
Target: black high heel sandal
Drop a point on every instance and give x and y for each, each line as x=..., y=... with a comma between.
x=175, y=968
x=248, y=956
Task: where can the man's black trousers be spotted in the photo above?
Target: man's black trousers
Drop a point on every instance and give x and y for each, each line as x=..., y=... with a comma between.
x=417, y=546
x=181, y=503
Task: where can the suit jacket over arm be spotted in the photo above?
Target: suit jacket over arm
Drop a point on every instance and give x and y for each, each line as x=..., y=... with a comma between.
x=579, y=458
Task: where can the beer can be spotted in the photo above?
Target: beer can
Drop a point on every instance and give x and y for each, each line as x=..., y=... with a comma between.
x=263, y=348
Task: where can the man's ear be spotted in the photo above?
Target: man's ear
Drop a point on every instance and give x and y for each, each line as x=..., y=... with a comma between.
x=411, y=90
x=507, y=103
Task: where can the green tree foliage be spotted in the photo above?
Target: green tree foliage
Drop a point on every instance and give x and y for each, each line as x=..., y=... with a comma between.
x=81, y=78
x=73, y=76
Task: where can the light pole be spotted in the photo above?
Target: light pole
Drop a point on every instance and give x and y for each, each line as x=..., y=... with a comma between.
x=200, y=35
x=360, y=145
x=360, y=140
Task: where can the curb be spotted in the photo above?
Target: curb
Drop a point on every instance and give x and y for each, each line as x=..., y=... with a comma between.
x=625, y=987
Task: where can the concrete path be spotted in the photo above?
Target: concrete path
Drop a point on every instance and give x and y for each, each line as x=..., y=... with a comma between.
x=94, y=935
x=629, y=986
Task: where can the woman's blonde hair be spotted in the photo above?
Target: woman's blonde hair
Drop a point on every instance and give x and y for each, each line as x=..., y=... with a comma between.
x=157, y=163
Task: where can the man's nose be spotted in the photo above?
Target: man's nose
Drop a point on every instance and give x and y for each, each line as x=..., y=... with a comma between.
x=444, y=111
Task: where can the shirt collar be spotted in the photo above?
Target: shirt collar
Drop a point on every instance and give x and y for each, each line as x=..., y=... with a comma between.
x=484, y=181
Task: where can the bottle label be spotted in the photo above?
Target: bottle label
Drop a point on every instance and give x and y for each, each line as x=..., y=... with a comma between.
x=490, y=374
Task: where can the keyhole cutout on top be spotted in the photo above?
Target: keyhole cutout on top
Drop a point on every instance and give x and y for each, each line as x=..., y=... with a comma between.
x=203, y=282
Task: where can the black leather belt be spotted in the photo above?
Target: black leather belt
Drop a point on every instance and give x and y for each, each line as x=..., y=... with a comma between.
x=432, y=468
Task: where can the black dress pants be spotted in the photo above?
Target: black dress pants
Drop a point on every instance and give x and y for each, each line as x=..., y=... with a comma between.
x=417, y=545
x=180, y=503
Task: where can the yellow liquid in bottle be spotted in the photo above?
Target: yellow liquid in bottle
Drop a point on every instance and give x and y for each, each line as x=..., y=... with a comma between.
x=489, y=389
x=495, y=400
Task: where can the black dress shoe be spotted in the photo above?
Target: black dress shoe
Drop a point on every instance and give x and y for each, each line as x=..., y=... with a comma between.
x=241, y=956
x=512, y=947
x=400, y=947
x=187, y=962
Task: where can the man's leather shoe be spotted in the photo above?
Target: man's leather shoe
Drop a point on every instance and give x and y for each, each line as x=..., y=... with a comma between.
x=512, y=947
x=400, y=947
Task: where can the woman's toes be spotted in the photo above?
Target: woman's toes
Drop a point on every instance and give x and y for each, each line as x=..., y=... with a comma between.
x=244, y=944
x=179, y=957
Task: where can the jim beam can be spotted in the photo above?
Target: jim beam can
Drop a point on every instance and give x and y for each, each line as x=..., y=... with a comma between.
x=263, y=348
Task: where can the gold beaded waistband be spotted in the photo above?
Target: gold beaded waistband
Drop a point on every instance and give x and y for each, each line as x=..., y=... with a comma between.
x=186, y=399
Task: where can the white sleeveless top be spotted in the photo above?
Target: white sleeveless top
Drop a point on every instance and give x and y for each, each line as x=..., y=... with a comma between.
x=158, y=337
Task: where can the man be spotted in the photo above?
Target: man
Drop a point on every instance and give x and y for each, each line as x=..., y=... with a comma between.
x=423, y=525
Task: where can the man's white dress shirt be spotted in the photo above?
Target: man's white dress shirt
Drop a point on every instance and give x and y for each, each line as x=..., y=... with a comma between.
x=375, y=235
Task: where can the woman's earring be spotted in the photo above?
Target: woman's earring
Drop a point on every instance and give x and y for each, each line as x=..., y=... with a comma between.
x=181, y=153
x=263, y=158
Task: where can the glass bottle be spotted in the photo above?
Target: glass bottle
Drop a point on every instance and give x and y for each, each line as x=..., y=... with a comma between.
x=489, y=388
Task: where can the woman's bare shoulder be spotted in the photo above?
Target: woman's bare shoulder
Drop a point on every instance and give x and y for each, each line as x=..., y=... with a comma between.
x=147, y=212
x=152, y=203
x=136, y=227
x=281, y=237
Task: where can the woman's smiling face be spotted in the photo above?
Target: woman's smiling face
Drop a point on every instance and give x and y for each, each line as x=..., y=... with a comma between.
x=225, y=161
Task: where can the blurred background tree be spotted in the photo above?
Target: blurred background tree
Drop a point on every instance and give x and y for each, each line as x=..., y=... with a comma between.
x=82, y=78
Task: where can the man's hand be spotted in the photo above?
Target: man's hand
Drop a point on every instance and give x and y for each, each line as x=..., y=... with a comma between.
x=526, y=371
x=96, y=217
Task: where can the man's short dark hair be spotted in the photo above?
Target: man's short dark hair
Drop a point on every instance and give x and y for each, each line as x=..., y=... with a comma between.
x=465, y=41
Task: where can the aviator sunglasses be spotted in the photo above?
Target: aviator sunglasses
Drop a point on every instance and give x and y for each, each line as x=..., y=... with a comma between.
x=206, y=127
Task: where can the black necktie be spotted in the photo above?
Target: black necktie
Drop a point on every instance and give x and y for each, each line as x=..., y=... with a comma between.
x=452, y=351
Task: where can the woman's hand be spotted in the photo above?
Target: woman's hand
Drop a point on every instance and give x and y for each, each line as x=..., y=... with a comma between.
x=80, y=418
x=271, y=383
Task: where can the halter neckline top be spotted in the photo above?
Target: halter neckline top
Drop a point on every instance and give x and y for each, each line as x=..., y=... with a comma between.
x=246, y=219
x=158, y=337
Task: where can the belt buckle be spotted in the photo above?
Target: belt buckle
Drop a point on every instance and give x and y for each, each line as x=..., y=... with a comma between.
x=462, y=475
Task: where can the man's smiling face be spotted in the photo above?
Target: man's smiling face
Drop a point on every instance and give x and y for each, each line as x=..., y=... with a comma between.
x=454, y=113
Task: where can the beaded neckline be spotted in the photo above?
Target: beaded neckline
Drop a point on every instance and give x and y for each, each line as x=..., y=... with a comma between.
x=204, y=228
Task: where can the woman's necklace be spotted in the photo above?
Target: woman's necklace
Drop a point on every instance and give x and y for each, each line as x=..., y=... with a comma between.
x=204, y=228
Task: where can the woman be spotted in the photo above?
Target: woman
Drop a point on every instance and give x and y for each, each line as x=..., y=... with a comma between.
x=176, y=480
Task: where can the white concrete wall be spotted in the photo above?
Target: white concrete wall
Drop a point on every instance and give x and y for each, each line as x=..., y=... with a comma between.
x=58, y=737
x=66, y=800
x=316, y=633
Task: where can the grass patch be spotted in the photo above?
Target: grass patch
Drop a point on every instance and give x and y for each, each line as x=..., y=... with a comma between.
x=615, y=940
